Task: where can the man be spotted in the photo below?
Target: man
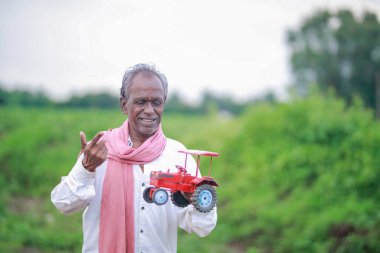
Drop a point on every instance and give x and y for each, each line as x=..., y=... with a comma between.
x=113, y=170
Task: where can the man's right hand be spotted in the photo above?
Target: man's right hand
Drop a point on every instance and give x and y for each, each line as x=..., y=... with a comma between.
x=95, y=152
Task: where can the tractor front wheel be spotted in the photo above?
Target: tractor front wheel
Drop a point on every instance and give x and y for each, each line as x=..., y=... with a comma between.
x=204, y=198
x=160, y=197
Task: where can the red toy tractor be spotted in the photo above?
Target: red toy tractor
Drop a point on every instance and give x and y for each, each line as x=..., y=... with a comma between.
x=202, y=188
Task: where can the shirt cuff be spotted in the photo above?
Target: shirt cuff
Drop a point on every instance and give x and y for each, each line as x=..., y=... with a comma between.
x=80, y=174
x=81, y=181
x=205, y=222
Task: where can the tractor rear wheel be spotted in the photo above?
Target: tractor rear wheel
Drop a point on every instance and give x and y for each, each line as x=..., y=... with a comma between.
x=146, y=194
x=204, y=198
x=160, y=197
x=178, y=199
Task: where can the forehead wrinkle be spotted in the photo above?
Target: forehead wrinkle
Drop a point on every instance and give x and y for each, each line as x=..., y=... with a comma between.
x=156, y=94
x=150, y=99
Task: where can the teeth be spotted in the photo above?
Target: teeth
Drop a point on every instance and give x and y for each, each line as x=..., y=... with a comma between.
x=148, y=120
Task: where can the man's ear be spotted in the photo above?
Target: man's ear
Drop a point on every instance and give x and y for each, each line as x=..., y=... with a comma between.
x=123, y=105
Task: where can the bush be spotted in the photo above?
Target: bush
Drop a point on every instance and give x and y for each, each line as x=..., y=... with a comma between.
x=303, y=177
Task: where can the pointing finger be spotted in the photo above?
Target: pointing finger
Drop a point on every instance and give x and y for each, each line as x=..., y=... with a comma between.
x=83, y=139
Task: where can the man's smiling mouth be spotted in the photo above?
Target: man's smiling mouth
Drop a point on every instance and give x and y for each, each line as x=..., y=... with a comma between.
x=148, y=120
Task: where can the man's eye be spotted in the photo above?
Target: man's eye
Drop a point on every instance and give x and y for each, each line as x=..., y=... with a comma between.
x=157, y=102
x=140, y=102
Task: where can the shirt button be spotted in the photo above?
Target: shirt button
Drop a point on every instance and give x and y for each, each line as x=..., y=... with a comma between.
x=142, y=208
x=143, y=184
x=141, y=231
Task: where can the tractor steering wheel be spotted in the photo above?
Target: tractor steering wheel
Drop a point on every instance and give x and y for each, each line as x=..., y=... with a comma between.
x=181, y=169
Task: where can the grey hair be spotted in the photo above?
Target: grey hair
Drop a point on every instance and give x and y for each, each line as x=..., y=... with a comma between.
x=131, y=72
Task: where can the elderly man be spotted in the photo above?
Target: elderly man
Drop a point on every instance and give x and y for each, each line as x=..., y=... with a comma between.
x=110, y=176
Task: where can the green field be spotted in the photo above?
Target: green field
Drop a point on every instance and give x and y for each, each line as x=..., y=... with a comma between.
x=301, y=176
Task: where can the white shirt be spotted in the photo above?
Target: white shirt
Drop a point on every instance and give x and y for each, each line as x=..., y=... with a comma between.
x=155, y=226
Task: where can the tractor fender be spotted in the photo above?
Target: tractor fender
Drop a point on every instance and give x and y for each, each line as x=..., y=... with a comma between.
x=199, y=181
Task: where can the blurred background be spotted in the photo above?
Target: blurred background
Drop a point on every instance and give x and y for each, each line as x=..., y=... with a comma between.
x=287, y=91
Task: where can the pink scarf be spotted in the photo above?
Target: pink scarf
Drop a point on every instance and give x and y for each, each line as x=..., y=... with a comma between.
x=116, y=230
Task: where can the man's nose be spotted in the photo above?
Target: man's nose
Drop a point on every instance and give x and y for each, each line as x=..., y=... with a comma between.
x=148, y=108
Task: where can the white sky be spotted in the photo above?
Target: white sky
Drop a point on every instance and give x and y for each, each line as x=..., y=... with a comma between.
x=232, y=47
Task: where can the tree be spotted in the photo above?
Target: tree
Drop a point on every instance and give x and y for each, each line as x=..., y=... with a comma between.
x=175, y=104
x=338, y=50
x=24, y=98
x=224, y=103
x=98, y=100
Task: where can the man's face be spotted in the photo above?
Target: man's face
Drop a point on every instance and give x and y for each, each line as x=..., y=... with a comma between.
x=144, y=106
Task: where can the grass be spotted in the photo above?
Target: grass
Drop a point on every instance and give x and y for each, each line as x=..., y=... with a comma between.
x=292, y=176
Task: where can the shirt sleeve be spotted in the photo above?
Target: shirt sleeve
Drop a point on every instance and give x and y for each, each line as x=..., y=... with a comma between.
x=75, y=191
x=193, y=221
x=190, y=219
